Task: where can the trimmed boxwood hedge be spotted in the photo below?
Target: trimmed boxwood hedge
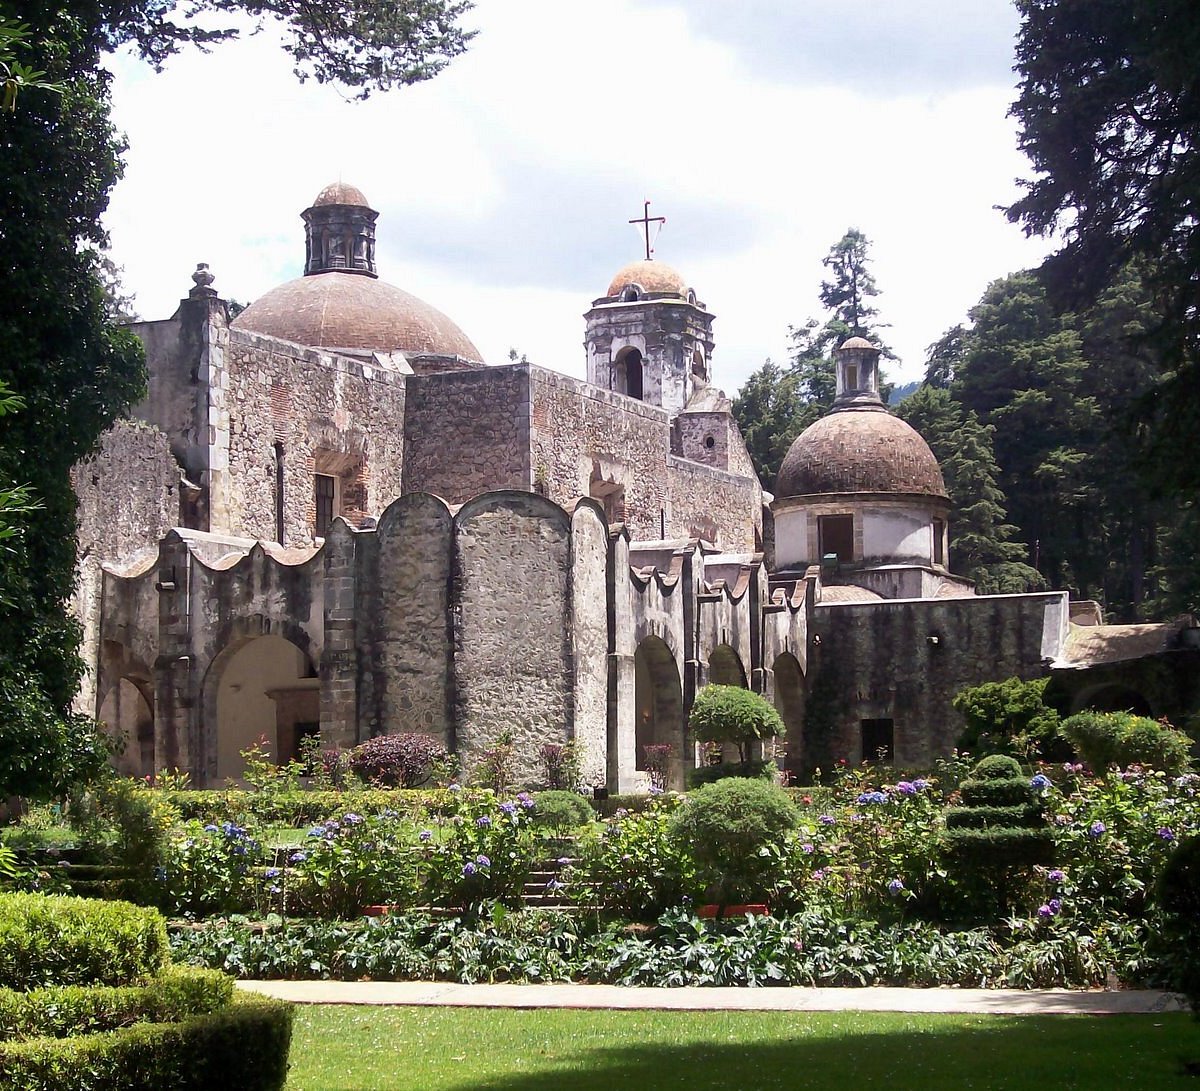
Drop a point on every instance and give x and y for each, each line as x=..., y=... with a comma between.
x=308, y=807
x=60, y=1011
x=242, y=1047
x=77, y=941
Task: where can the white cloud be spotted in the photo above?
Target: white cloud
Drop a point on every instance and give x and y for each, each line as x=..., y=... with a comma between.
x=504, y=184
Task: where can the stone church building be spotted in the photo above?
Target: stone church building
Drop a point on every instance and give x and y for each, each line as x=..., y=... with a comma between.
x=330, y=515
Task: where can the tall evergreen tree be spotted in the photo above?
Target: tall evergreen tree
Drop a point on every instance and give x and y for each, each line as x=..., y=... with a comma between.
x=982, y=543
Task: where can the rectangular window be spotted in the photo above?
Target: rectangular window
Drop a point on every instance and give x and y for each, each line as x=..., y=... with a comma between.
x=835, y=534
x=325, y=497
x=852, y=376
x=879, y=741
x=939, y=538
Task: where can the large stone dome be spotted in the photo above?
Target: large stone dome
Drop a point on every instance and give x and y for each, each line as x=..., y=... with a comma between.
x=340, y=304
x=648, y=276
x=860, y=451
x=334, y=310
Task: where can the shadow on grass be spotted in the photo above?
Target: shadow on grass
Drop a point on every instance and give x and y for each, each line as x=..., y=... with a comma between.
x=862, y=1051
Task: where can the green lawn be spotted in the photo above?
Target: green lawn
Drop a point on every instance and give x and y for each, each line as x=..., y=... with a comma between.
x=453, y=1049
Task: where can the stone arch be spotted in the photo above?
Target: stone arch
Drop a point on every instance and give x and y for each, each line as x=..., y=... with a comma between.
x=788, y=694
x=629, y=373
x=1112, y=697
x=725, y=667
x=127, y=716
x=259, y=686
x=658, y=706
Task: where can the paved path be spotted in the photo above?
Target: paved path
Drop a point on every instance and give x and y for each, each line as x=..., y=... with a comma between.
x=448, y=994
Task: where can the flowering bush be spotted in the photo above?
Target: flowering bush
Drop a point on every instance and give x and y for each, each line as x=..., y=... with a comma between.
x=480, y=853
x=1114, y=835
x=350, y=862
x=633, y=867
x=560, y=765
x=210, y=869
x=397, y=761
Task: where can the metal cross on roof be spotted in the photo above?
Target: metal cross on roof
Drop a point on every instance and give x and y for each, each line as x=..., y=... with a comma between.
x=646, y=220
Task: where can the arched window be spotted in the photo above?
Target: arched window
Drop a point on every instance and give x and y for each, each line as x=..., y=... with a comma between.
x=629, y=373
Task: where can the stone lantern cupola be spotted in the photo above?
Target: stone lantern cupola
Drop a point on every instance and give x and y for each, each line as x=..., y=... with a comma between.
x=857, y=362
x=339, y=232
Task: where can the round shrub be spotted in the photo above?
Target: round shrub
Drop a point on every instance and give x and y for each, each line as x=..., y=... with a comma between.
x=561, y=810
x=397, y=761
x=725, y=826
x=1105, y=739
x=731, y=714
x=996, y=767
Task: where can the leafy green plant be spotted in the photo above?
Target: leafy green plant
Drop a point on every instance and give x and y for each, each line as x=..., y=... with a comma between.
x=496, y=768
x=1178, y=895
x=210, y=869
x=731, y=714
x=732, y=829
x=1009, y=718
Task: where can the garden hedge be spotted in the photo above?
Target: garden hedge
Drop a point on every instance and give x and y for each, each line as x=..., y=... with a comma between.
x=76, y=941
x=305, y=807
x=242, y=1047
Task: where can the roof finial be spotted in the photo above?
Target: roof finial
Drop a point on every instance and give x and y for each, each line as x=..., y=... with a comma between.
x=203, y=279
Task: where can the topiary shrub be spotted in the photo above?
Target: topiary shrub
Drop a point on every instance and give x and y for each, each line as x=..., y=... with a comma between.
x=397, y=761
x=1177, y=893
x=731, y=714
x=752, y=770
x=559, y=810
x=998, y=832
x=1009, y=718
x=725, y=827
x=243, y=1045
x=1105, y=739
x=77, y=941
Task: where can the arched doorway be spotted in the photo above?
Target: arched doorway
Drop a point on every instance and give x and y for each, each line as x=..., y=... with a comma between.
x=659, y=707
x=262, y=688
x=789, y=703
x=127, y=717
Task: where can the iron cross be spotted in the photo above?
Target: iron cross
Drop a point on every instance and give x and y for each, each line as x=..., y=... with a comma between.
x=646, y=220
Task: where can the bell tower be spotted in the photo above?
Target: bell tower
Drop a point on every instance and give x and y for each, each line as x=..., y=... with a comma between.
x=339, y=232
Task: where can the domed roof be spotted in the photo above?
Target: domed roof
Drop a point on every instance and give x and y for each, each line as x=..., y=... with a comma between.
x=340, y=193
x=335, y=310
x=650, y=276
x=860, y=451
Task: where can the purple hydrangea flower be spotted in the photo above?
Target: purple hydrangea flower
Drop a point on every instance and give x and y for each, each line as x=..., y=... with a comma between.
x=352, y=819
x=872, y=797
x=895, y=886
x=468, y=869
x=807, y=847
x=425, y=836
x=1097, y=828
x=827, y=820
x=508, y=807
x=454, y=788
x=483, y=821
x=525, y=799
x=483, y=861
x=1055, y=875
x=1039, y=782
x=298, y=857
x=1166, y=833
x=271, y=873
x=907, y=788
x=212, y=827
x=921, y=784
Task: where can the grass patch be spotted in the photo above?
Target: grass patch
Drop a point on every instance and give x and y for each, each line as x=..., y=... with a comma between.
x=455, y=1049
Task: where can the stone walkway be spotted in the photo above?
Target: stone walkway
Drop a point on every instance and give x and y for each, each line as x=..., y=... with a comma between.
x=967, y=1001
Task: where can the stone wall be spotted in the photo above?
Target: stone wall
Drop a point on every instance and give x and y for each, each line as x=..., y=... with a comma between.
x=905, y=661
x=512, y=628
x=128, y=498
x=302, y=412
x=466, y=432
x=715, y=505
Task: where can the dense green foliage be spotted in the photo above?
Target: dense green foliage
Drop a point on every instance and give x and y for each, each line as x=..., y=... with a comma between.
x=76, y=941
x=1106, y=739
x=1008, y=718
x=1178, y=895
x=734, y=715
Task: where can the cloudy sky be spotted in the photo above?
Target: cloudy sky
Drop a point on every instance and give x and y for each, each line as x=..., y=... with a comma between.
x=761, y=130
